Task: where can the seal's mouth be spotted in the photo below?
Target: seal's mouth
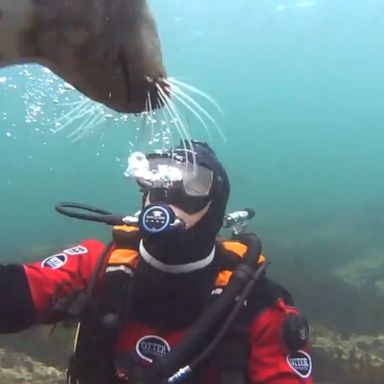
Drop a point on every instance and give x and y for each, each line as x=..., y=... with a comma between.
x=142, y=93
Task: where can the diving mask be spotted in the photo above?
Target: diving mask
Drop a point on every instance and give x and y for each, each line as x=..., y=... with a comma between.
x=172, y=179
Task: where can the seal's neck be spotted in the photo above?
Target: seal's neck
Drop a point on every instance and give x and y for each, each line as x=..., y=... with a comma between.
x=16, y=20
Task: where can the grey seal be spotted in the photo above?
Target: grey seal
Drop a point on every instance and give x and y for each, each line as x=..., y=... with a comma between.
x=108, y=49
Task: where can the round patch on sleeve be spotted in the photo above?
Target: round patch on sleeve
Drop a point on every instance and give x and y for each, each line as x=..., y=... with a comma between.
x=301, y=363
x=54, y=261
x=151, y=346
x=78, y=250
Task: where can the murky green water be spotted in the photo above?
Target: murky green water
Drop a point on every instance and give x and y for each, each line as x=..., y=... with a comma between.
x=301, y=86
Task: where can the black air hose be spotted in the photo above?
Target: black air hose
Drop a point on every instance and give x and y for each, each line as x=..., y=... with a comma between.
x=241, y=276
x=78, y=210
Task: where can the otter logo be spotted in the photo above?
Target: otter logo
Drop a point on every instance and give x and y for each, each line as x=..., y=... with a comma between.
x=55, y=261
x=150, y=347
x=78, y=250
x=301, y=363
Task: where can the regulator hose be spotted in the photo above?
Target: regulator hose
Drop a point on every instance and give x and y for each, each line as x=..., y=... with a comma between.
x=184, y=357
x=245, y=274
x=88, y=212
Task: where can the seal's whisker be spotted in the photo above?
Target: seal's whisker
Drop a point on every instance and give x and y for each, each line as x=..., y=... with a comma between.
x=68, y=123
x=77, y=102
x=151, y=118
x=84, y=127
x=184, y=96
x=94, y=123
x=144, y=120
x=140, y=131
x=172, y=116
x=82, y=111
x=185, y=130
x=172, y=82
x=162, y=120
x=162, y=133
x=167, y=134
x=87, y=114
x=78, y=129
x=196, y=114
x=175, y=118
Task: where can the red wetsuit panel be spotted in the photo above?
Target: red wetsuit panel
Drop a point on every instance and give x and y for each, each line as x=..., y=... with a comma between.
x=150, y=342
x=270, y=362
x=133, y=331
x=58, y=275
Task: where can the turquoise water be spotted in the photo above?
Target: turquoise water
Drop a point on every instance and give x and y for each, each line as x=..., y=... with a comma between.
x=301, y=87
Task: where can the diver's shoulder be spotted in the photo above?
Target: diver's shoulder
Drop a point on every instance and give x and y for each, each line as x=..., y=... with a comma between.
x=266, y=293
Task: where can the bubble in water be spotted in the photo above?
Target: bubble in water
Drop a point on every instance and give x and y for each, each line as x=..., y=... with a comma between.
x=160, y=175
x=42, y=90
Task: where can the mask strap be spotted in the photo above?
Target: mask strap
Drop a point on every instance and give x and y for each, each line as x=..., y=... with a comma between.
x=175, y=268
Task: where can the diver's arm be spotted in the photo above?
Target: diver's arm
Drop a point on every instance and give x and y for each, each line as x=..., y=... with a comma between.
x=29, y=292
x=16, y=304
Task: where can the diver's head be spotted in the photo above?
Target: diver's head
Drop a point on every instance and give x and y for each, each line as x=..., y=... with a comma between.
x=191, y=181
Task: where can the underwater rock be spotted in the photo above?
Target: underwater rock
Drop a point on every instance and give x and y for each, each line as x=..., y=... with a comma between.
x=18, y=368
x=337, y=359
x=356, y=359
x=51, y=346
x=367, y=269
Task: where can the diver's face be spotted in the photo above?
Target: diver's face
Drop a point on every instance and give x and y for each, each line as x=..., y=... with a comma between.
x=190, y=219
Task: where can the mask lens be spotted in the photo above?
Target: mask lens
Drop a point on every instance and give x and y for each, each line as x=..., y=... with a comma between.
x=176, y=197
x=169, y=173
x=198, y=183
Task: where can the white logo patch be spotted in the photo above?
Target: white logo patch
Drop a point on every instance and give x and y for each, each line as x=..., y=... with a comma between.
x=54, y=261
x=151, y=346
x=78, y=250
x=301, y=363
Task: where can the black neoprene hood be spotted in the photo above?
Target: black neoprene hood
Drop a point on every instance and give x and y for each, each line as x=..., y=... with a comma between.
x=204, y=156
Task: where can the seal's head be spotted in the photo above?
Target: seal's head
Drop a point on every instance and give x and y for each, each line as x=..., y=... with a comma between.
x=108, y=49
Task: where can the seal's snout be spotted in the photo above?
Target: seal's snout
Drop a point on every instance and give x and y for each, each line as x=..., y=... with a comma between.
x=107, y=49
x=147, y=94
x=144, y=69
x=152, y=93
x=133, y=77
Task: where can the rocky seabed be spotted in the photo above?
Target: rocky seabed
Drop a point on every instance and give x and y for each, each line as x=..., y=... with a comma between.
x=18, y=368
x=352, y=359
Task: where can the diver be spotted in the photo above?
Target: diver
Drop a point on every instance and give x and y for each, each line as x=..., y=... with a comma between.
x=167, y=300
